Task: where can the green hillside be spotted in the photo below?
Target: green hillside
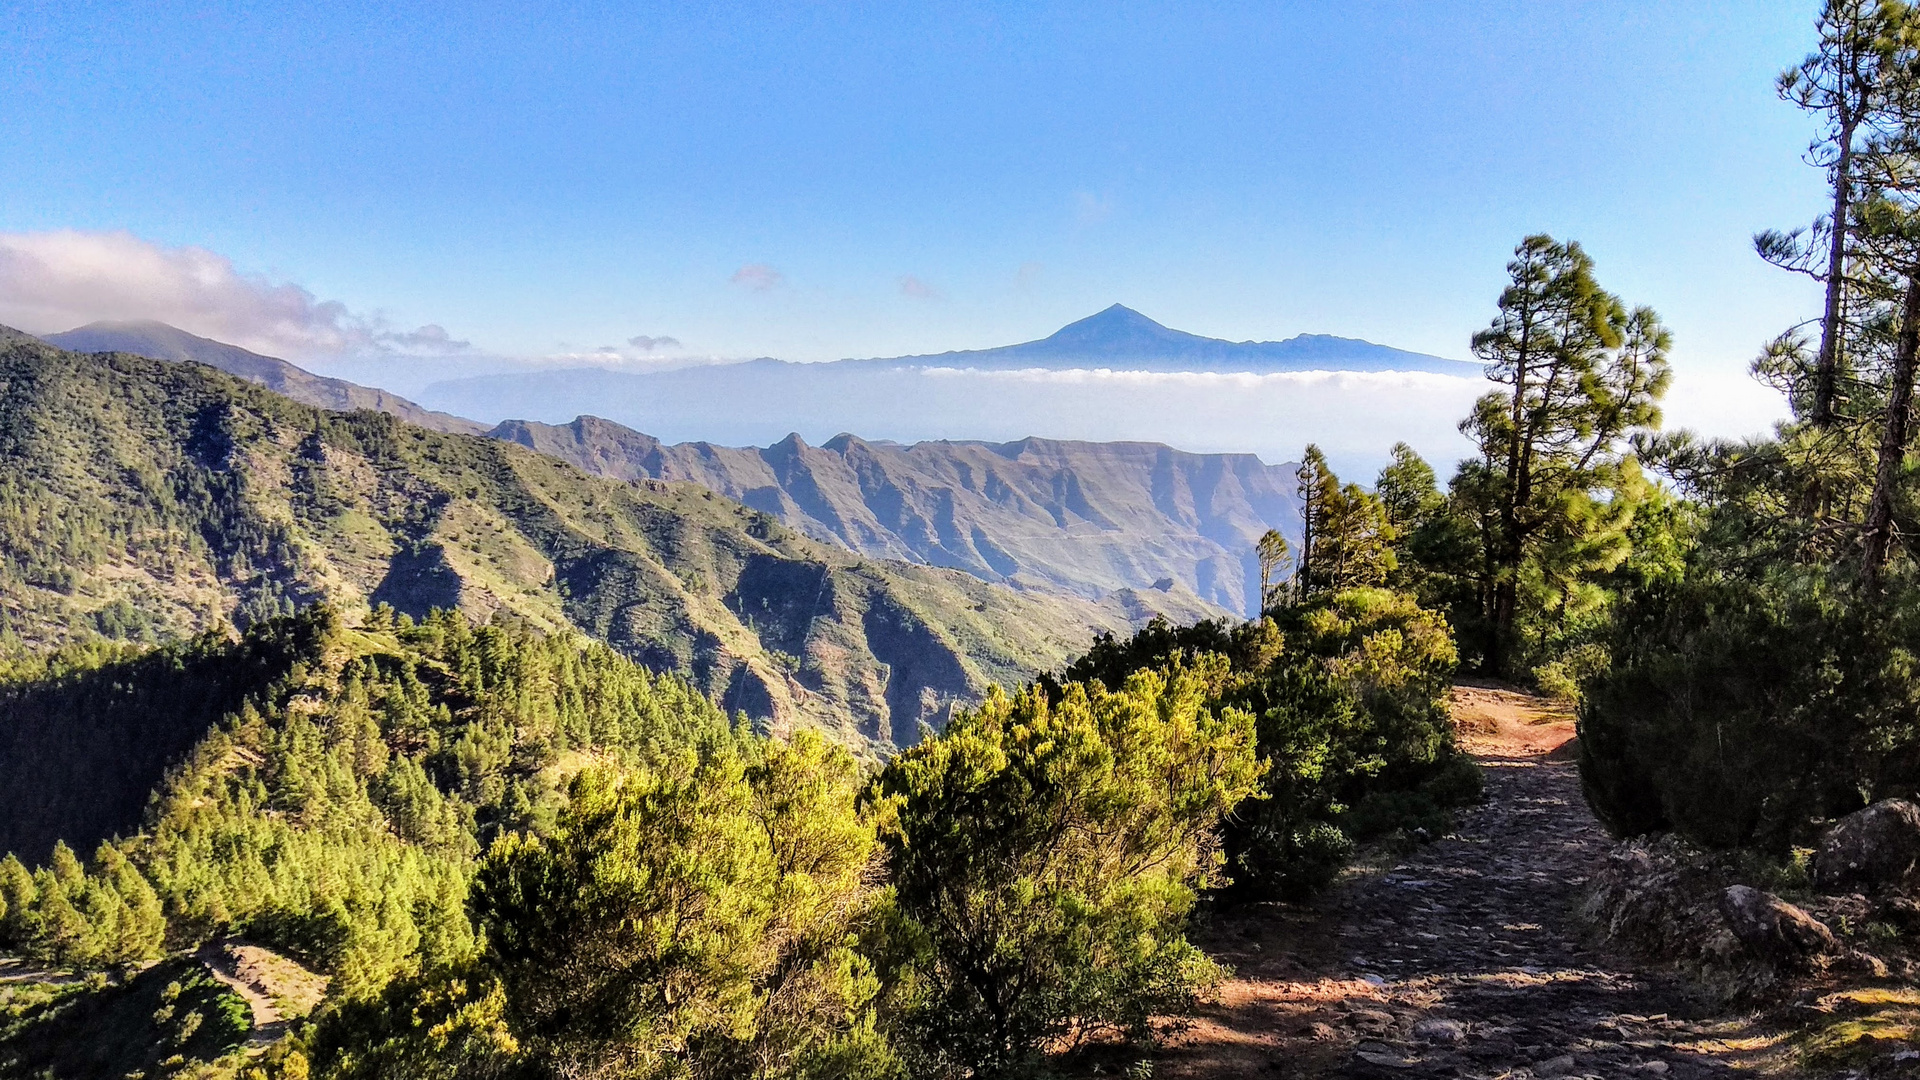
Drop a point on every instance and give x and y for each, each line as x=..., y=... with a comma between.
x=143, y=500
x=340, y=784
x=163, y=342
x=460, y=850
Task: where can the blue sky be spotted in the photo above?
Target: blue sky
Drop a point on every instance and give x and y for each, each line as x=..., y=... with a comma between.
x=912, y=178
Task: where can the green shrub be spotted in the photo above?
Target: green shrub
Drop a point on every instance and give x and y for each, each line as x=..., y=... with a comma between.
x=694, y=917
x=1564, y=676
x=1350, y=695
x=1743, y=711
x=1044, y=858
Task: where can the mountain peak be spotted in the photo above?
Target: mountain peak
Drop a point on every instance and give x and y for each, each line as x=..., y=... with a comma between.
x=1118, y=337
x=1120, y=314
x=133, y=324
x=1116, y=330
x=1116, y=317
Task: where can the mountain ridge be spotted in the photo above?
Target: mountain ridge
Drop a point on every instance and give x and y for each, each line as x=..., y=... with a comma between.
x=147, y=499
x=1171, y=547
x=1089, y=518
x=160, y=341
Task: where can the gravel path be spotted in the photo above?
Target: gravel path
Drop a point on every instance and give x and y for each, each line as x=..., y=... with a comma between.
x=1464, y=960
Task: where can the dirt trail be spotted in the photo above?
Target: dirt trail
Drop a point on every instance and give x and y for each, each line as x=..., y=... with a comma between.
x=1462, y=960
x=274, y=987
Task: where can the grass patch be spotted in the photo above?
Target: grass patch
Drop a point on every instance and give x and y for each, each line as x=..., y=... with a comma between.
x=1867, y=1025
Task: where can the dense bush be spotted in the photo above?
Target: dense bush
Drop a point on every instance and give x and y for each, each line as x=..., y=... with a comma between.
x=1044, y=857
x=692, y=918
x=1772, y=681
x=665, y=894
x=1740, y=710
x=741, y=909
x=1349, y=694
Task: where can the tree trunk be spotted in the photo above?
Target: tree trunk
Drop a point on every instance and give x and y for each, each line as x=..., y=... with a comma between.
x=1500, y=613
x=1826, y=375
x=1893, y=439
x=1303, y=570
x=1506, y=600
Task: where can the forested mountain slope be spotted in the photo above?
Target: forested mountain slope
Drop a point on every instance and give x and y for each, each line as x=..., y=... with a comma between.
x=1087, y=517
x=142, y=498
x=159, y=341
x=331, y=801
x=1090, y=518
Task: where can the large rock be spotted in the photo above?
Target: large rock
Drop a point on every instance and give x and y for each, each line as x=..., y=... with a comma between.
x=1871, y=849
x=1659, y=897
x=1775, y=930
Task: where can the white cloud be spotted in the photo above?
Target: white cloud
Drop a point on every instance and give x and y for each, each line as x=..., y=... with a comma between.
x=1092, y=207
x=1353, y=416
x=1213, y=380
x=759, y=277
x=919, y=290
x=431, y=339
x=53, y=281
x=650, y=344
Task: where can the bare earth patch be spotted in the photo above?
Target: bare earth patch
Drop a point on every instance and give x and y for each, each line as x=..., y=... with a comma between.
x=1463, y=959
x=277, y=989
x=1499, y=721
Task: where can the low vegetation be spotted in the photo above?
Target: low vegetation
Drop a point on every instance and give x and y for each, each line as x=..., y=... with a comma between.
x=518, y=851
x=1765, y=683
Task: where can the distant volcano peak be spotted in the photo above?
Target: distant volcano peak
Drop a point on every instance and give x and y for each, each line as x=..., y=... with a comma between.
x=1118, y=329
x=1114, y=315
x=1119, y=337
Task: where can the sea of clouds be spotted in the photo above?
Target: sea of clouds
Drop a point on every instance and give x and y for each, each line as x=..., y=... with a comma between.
x=58, y=279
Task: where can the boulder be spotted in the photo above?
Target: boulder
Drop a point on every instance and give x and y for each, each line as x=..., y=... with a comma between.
x=1900, y=911
x=1440, y=1032
x=1660, y=898
x=1871, y=849
x=1776, y=931
x=1554, y=1066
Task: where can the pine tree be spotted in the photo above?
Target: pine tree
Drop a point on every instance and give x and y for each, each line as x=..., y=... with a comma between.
x=1408, y=490
x=1347, y=538
x=1272, y=552
x=1584, y=373
x=1849, y=81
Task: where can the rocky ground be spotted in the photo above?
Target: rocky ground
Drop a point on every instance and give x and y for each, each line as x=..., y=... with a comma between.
x=1465, y=958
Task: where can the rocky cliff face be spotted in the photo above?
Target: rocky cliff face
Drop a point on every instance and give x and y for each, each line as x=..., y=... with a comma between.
x=1091, y=518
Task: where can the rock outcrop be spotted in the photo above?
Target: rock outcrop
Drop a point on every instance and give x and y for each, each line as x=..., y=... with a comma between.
x=1662, y=899
x=1656, y=898
x=1778, y=933
x=1874, y=849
